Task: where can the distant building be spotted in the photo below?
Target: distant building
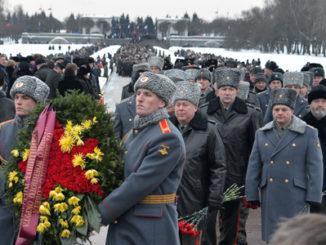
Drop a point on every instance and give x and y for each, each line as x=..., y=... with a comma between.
x=61, y=38
x=101, y=25
x=168, y=26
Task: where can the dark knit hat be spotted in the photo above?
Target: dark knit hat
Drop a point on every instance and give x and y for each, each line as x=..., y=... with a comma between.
x=159, y=84
x=318, y=72
x=276, y=76
x=284, y=96
x=318, y=92
x=30, y=86
x=187, y=91
x=227, y=77
x=204, y=74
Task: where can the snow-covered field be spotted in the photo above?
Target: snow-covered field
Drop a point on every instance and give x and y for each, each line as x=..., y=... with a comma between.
x=285, y=61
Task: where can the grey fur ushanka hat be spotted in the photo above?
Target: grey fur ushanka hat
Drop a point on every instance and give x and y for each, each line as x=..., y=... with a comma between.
x=32, y=87
x=293, y=78
x=156, y=61
x=187, y=91
x=159, y=84
x=284, y=96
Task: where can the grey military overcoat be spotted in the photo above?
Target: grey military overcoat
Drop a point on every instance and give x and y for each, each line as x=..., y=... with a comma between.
x=154, y=161
x=287, y=171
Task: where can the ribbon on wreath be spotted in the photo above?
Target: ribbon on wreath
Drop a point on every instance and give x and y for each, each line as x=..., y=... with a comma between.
x=35, y=175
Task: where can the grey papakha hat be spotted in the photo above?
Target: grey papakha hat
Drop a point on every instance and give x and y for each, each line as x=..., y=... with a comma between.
x=159, y=84
x=187, y=91
x=176, y=75
x=191, y=74
x=284, y=96
x=156, y=61
x=244, y=88
x=32, y=87
x=141, y=67
x=293, y=78
x=227, y=77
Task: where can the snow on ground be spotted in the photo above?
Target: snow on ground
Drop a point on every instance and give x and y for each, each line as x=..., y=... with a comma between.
x=29, y=49
x=288, y=62
x=111, y=49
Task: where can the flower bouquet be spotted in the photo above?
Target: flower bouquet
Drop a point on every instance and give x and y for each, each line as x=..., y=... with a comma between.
x=54, y=189
x=191, y=224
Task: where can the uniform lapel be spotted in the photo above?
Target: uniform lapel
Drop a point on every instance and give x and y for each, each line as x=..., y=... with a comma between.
x=285, y=141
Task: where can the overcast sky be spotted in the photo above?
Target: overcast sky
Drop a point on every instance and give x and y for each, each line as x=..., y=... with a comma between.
x=206, y=9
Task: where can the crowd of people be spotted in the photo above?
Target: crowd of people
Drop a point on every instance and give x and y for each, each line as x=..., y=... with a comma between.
x=190, y=132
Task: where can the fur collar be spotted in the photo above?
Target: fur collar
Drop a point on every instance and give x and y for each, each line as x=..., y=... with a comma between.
x=297, y=125
x=238, y=105
x=199, y=122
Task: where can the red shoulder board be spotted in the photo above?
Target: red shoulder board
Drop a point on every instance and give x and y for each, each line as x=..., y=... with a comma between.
x=164, y=125
x=6, y=122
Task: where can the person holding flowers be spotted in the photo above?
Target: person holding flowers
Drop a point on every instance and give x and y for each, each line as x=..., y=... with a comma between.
x=27, y=92
x=143, y=209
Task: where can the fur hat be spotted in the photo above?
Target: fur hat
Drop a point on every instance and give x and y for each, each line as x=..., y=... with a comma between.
x=176, y=75
x=204, y=74
x=191, y=74
x=141, y=67
x=159, y=84
x=284, y=96
x=156, y=61
x=271, y=65
x=308, y=76
x=30, y=86
x=244, y=88
x=318, y=71
x=293, y=78
x=318, y=92
x=260, y=77
x=227, y=77
x=187, y=91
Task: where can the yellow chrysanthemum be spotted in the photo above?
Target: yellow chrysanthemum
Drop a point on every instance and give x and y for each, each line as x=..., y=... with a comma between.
x=26, y=154
x=58, y=189
x=94, y=181
x=73, y=201
x=43, y=219
x=80, y=142
x=78, y=160
x=47, y=224
x=18, y=199
x=94, y=120
x=46, y=205
x=87, y=124
x=44, y=210
x=41, y=228
x=69, y=126
x=65, y=233
x=63, y=223
x=76, y=210
x=77, y=220
x=98, y=154
x=66, y=143
x=12, y=176
x=90, y=174
x=15, y=153
x=60, y=207
x=58, y=197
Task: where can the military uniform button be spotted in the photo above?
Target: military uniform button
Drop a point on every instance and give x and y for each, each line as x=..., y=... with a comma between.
x=136, y=131
x=266, y=144
x=130, y=119
x=115, y=222
x=270, y=179
x=294, y=145
x=287, y=162
x=272, y=162
x=286, y=181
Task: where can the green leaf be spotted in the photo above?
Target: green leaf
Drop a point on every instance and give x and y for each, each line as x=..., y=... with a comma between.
x=83, y=229
x=93, y=215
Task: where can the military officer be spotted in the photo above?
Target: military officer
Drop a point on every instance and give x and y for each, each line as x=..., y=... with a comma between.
x=294, y=81
x=143, y=209
x=27, y=91
x=285, y=165
x=276, y=81
x=204, y=79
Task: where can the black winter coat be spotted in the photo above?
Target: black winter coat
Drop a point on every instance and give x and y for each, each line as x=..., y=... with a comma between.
x=321, y=126
x=7, y=108
x=204, y=173
x=238, y=135
x=70, y=83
